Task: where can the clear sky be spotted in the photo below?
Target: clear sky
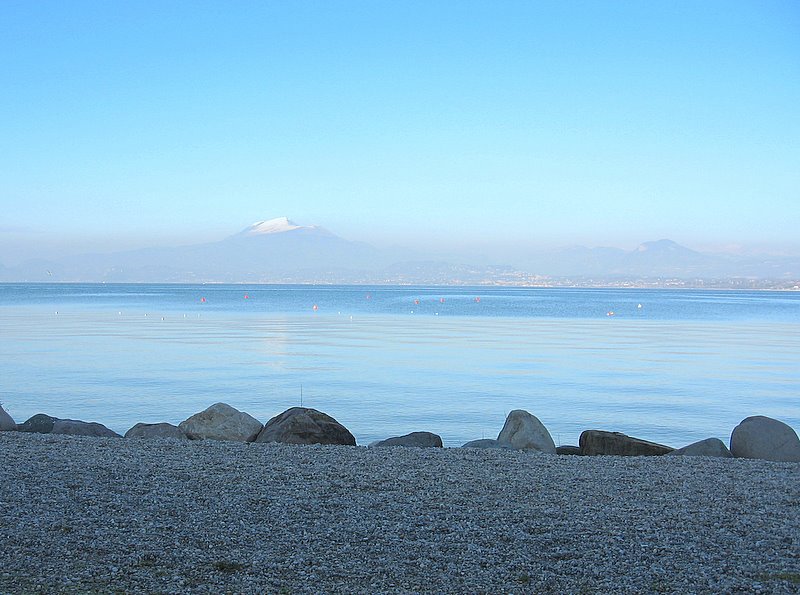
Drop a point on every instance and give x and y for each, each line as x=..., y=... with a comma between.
x=433, y=123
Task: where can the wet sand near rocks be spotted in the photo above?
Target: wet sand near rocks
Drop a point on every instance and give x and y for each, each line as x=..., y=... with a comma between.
x=83, y=515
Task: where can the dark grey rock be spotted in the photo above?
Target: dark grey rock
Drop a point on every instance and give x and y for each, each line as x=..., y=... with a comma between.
x=46, y=424
x=600, y=442
x=302, y=425
x=761, y=437
x=221, y=422
x=7, y=423
x=75, y=427
x=525, y=432
x=160, y=430
x=39, y=424
x=417, y=439
x=487, y=443
x=568, y=450
x=710, y=447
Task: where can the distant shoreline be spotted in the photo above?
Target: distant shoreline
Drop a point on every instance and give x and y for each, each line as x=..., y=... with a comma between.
x=621, y=286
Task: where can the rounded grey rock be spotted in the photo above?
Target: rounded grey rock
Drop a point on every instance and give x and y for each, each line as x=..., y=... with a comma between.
x=414, y=439
x=524, y=431
x=761, y=437
x=159, y=430
x=221, y=422
x=710, y=447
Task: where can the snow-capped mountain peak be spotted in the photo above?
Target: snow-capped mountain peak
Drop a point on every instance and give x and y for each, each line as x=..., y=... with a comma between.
x=277, y=225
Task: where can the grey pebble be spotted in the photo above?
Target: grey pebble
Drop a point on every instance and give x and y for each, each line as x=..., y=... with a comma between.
x=83, y=514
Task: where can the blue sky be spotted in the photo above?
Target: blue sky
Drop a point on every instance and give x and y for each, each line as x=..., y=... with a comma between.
x=496, y=125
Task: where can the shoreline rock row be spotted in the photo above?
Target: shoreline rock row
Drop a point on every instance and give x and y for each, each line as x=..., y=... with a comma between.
x=756, y=437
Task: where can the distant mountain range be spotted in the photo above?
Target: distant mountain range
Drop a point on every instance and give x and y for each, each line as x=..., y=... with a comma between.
x=281, y=251
x=664, y=258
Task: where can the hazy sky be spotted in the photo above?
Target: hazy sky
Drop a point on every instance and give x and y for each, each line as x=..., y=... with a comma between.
x=433, y=123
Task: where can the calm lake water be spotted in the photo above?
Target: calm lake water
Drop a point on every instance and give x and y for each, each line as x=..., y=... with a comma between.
x=669, y=366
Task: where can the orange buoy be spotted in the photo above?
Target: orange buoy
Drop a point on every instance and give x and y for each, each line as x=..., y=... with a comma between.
x=202, y=300
x=315, y=308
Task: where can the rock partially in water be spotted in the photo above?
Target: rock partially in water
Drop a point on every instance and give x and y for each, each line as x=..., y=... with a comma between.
x=761, y=437
x=600, y=442
x=159, y=430
x=524, y=431
x=415, y=439
x=710, y=447
x=7, y=423
x=221, y=422
x=302, y=425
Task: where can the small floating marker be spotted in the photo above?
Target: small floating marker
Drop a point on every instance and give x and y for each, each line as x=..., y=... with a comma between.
x=416, y=302
x=56, y=312
x=162, y=318
x=478, y=300
x=247, y=297
x=202, y=300
x=610, y=313
x=639, y=306
x=315, y=307
x=369, y=296
x=441, y=300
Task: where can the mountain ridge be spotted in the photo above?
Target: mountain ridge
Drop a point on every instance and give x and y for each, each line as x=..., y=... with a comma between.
x=278, y=250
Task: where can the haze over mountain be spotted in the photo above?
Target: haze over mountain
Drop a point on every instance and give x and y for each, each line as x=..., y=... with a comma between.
x=280, y=251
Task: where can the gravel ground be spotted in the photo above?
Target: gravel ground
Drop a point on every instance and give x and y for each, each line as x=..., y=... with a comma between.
x=84, y=515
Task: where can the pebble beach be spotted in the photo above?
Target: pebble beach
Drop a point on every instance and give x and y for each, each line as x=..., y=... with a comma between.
x=102, y=515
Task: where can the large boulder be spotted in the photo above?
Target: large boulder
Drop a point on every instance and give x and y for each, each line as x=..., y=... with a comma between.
x=38, y=424
x=301, y=425
x=82, y=428
x=710, y=447
x=599, y=442
x=160, y=430
x=524, y=431
x=761, y=437
x=6, y=422
x=487, y=443
x=418, y=439
x=221, y=422
x=46, y=424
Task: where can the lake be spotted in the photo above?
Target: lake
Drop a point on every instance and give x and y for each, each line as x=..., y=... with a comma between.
x=672, y=366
